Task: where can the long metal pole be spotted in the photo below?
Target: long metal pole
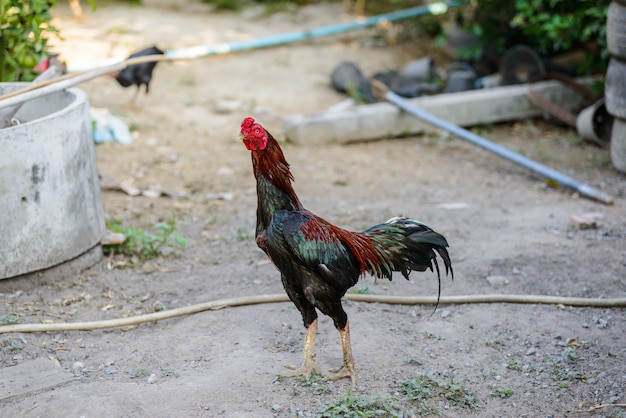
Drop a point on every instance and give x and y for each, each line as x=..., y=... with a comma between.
x=535, y=167
x=193, y=52
x=284, y=38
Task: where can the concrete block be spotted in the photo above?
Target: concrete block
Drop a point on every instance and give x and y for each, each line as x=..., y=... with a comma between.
x=468, y=108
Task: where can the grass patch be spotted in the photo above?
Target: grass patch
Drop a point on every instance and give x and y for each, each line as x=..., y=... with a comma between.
x=140, y=373
x=9, y=319
x=432, y=336
x=351, y=406
x=423, y=395
x=502, y=393
x=423, y=389
x=162, y=240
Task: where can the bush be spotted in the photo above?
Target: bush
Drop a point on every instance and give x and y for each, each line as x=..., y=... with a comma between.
x=549, y=26
x=24, y=27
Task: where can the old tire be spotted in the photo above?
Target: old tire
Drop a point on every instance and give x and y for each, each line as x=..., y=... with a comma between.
x=615, y=88
x=616, y=29
x=618, y=145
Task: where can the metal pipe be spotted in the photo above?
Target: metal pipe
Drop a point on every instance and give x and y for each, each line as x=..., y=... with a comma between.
x=546, y=172
x=283, y=38
x=223, y=48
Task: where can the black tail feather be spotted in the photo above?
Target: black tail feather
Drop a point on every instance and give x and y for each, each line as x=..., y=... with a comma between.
x=406, y=245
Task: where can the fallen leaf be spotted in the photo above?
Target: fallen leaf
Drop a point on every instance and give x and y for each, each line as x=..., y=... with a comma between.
x=54, y=360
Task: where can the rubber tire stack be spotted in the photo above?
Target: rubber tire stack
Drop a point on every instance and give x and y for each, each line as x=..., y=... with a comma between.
x=615, y=84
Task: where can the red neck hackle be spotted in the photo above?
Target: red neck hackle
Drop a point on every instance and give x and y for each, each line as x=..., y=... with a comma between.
x=268, y=159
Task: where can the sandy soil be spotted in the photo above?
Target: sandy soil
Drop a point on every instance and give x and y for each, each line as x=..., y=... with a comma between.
x=508, y=233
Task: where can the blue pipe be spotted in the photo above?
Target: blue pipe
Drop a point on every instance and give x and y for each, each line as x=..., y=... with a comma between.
x=284, y=38
x=548, y=173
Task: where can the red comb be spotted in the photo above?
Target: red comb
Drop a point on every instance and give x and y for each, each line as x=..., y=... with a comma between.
x=246, y=124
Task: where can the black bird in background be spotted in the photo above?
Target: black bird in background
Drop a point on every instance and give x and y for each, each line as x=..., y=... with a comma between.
x=138, y=74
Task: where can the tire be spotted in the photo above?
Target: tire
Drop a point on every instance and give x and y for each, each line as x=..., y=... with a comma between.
x=615, y=88
x=618, y=145
x=616, y=30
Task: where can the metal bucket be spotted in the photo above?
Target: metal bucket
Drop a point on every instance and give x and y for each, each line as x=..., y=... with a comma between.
x=595, y=123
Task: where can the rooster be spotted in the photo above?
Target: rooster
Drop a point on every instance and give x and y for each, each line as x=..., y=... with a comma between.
x=138, y=74
x=319, y=261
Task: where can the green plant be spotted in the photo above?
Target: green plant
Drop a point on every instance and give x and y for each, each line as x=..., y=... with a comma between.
x=432, y=336
x=514, y=365
x=9, y=319
x=168, y=373
x=351, y=406
x=315, y=382
x=361, y=290
x=24, y=31
x=423, y=387
x=140, y=373
x=549, y=26
x=144, y=244
x=502, y=393
x=558, y=25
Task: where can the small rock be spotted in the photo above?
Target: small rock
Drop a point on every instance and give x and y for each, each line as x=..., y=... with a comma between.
x=516, y=271
x=152, y=378
x=497, y=281
x=583, y=222
x=112, y=238
x=226, y=106
x=591, y=380
x=78, y=365
x=600, y=322
x=110, y=370
x=531, y=351
x=445, y=313
x=277, y=408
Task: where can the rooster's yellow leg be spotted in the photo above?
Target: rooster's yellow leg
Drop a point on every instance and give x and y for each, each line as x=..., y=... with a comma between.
x=308, y=365
x=347, y=370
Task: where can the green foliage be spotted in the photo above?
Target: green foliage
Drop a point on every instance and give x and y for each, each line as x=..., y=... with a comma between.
x=13, y=346
x=314, y=382
x=224, y=4
x=146, y=244
x=420, y=396
x=549, y=26
x=24, y=31
x=502, y=393
x=515, y=365
x=140, y=373
x=9, y=319
x=423, y=388
x=270, y=4
x=558, y=25
x=432, y=336
x=351, y=406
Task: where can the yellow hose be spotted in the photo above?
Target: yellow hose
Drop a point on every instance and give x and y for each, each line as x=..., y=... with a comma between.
x=277, y=298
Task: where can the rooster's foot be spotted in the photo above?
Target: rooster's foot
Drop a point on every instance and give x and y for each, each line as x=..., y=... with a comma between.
x=307, y=370
x=347, y=370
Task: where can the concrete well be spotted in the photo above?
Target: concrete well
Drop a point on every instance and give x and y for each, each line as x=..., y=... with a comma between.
x=50, y=206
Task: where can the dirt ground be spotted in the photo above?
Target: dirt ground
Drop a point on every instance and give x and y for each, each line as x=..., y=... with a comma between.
x=508, y=233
